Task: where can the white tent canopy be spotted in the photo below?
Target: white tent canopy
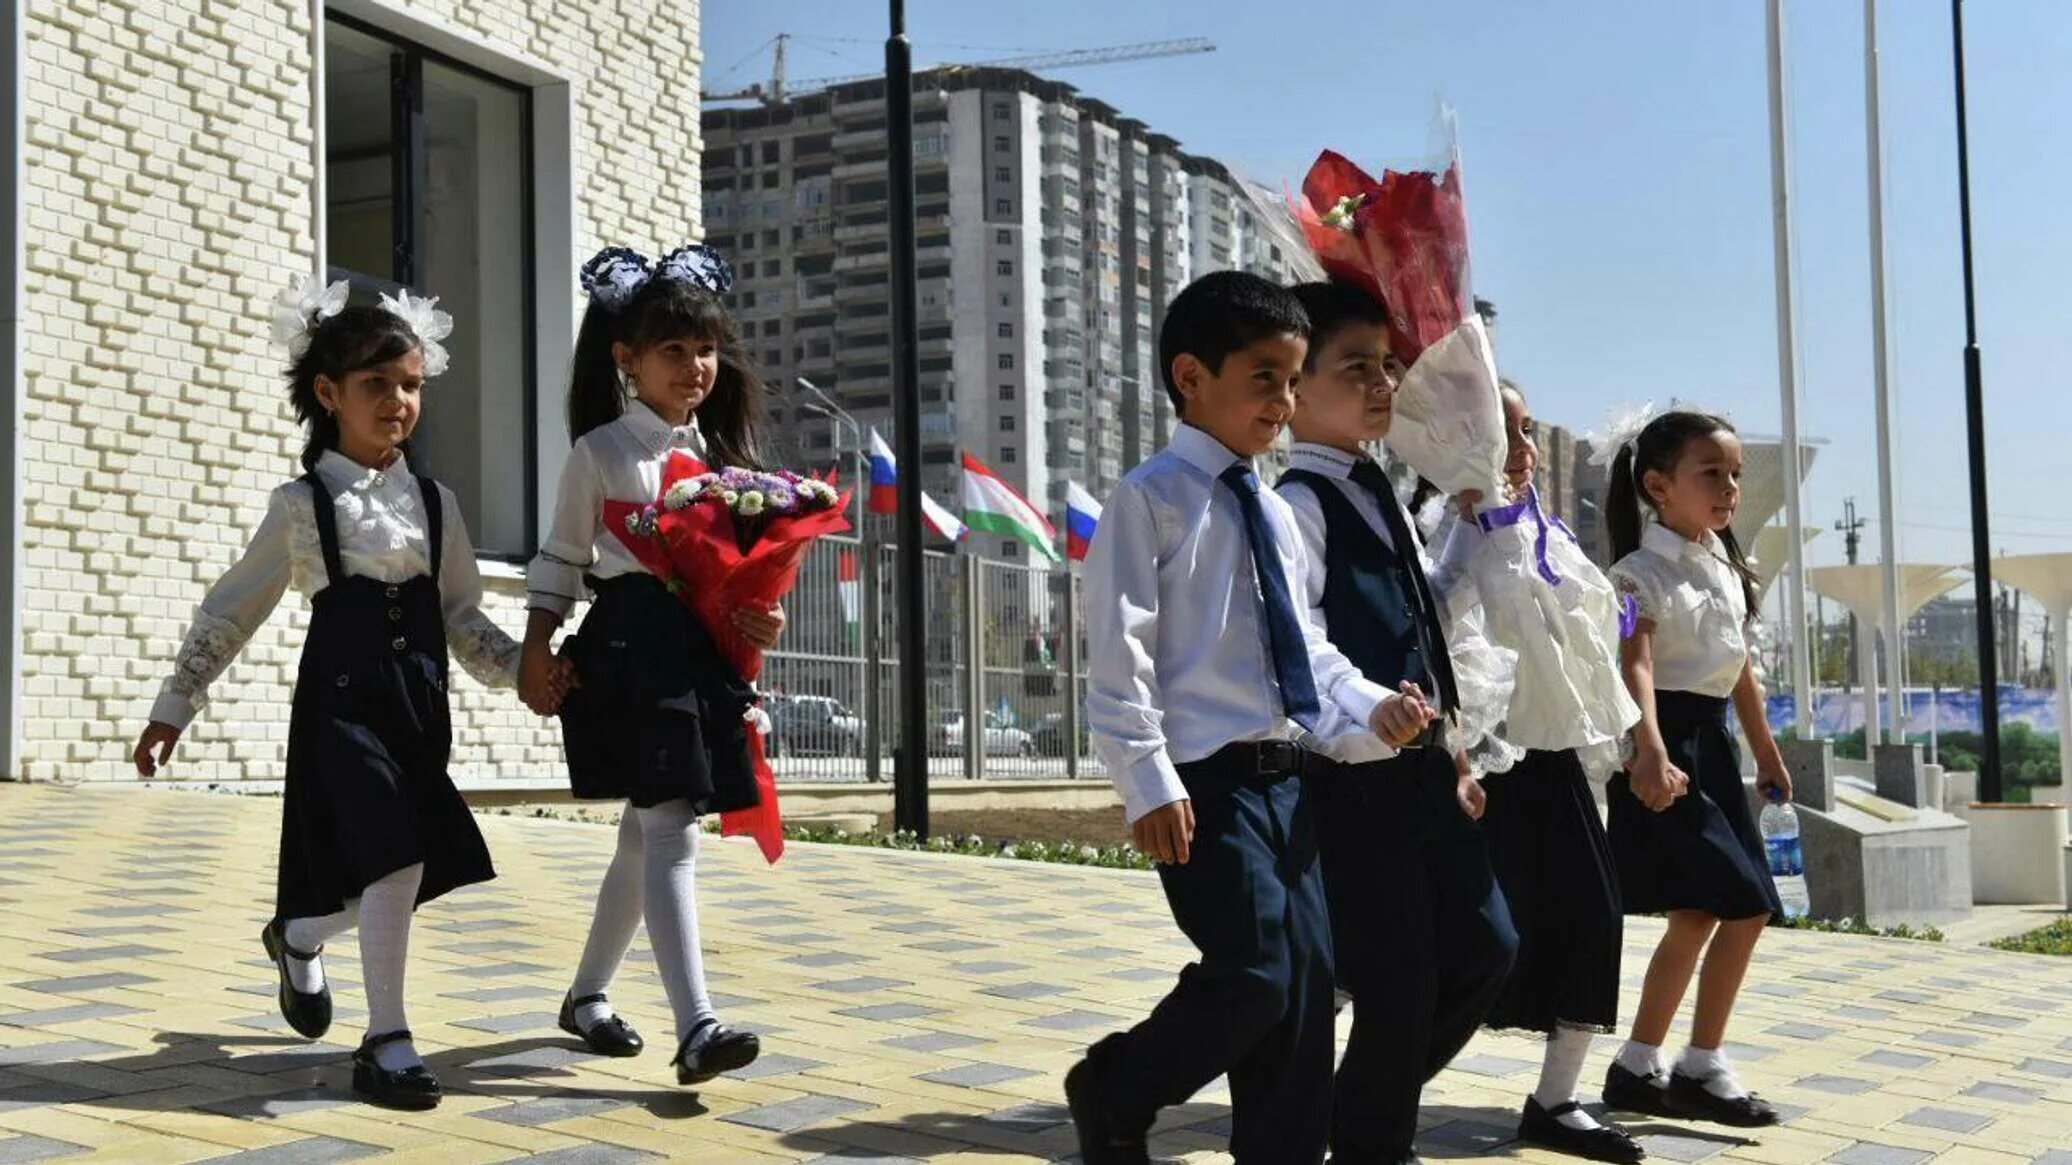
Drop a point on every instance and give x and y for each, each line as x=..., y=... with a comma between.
x=1861, y=588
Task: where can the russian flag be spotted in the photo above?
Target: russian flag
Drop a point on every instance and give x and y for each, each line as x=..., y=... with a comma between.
x=1082, y=515
x=884, y=477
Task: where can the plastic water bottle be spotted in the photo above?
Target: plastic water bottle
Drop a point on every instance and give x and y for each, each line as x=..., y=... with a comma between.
x=1780, y=825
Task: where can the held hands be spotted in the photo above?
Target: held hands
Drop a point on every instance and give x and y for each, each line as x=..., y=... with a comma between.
x=761, y=628
x=544, y=679
x=1402, y=718
x=159, y=738
x=1655, y=781
x=1166, y=834
x=1472, y=799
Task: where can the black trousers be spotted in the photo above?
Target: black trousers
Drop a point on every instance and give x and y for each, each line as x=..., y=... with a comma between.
x=1257, y=1005
x=1423, y=937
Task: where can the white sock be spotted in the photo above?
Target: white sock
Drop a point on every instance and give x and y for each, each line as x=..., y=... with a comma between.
x=1710, y=1066
x=619, y=904
x=1643, y=1060
x=669, y=835
x=1559, y=1071
x=385, y=909
x=310, y=934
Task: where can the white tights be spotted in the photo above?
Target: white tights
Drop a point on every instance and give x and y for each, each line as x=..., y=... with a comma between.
x=382, y=912
x=653, y=875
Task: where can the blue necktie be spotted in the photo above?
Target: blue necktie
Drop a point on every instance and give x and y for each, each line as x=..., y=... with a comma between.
x=1283, y=628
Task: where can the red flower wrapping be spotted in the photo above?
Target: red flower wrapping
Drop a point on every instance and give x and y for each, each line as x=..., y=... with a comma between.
x=701, y=553
x=1403, y=239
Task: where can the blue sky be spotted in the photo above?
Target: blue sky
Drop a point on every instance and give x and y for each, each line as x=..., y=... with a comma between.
x=1616, y=156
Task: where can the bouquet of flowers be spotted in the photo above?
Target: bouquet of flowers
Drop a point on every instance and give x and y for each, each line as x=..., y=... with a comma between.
x=1404, y=239
x=726, y=540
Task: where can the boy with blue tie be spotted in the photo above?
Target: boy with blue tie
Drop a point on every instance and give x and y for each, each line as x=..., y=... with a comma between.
x=1421, y=931
x=1206, y=675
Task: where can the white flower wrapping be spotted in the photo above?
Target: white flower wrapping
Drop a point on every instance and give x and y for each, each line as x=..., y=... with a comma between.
x=1561, y=638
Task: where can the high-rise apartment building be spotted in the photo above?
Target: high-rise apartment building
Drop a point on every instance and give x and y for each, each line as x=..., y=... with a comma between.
x=1051, y=233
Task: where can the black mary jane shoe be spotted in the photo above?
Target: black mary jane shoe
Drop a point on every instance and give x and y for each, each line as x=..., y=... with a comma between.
x=611, y=1036
x=1100, y=1141
x=1695, y=1102
x=413, y=1088
x=1539, y=1126
x=1629, y=1091
x=309, y=1013
x=721, y=1049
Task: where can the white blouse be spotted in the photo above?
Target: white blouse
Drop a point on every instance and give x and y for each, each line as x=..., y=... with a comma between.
x=381, y=534
x=620, y=462
x=1692, y=595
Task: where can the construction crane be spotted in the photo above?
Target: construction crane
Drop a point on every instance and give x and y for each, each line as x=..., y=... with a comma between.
x=774, y=90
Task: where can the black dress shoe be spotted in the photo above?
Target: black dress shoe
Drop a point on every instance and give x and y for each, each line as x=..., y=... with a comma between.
x=610, y=1036
x=414, y=1088
x=1101, y=1142
x=1695, y=1102
x=1604, y=1143
x=309, y=1013
x=712, y=1049
x=1629, y=1091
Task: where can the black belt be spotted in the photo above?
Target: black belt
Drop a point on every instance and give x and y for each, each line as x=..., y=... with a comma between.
x=1272, y=759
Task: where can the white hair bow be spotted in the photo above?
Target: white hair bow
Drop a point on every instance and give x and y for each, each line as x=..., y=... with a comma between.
x=298, y=310
x=427, y=323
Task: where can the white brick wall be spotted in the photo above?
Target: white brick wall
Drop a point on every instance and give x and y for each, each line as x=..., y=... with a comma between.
x=169, y=180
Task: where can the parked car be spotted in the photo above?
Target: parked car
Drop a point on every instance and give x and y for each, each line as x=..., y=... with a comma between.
x=1001, y=738
x=812, y=726
x=1049, y=735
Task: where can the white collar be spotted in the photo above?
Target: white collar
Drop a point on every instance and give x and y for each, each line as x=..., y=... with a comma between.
x=1197, y=448
x=1323, y=459
x=656, y=433
x=342, y=473
x=1671, y=545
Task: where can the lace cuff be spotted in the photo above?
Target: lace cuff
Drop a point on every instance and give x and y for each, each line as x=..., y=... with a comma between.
x=486, y=650
x=211, y=644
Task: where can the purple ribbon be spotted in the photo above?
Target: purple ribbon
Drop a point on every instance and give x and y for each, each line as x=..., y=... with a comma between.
x=1518, y=511
x=1629, y=615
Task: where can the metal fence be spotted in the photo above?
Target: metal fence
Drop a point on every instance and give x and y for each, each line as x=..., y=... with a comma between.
x=1001, y=640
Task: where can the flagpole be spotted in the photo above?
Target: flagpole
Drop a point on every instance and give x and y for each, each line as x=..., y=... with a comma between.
x=1803, y=693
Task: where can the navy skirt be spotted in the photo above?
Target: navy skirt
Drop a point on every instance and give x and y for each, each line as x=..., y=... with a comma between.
x=1704, y=852
x=1548, y=847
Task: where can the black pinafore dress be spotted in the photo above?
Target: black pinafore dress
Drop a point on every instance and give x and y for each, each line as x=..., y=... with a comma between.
x=367, y=788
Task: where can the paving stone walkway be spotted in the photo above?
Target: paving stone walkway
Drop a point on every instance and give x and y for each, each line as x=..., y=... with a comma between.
x=912, y=1008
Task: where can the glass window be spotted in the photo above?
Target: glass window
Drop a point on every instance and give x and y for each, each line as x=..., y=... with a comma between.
x=1006, y=360
x=1007, y=392
x=428, y=180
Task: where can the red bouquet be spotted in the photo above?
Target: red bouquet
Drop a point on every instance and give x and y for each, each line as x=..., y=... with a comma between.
x=1403, y=239
x=724, y=541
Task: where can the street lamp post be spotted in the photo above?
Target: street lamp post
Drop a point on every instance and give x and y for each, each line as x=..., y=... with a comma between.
x=867, y=702
x=1975, y=430
x=910, y=767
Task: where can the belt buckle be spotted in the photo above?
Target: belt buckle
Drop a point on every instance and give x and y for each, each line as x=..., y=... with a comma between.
x=1279, y=758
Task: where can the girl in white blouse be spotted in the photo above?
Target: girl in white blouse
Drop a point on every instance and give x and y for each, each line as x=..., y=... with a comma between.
x=657, y=717
x=371, y=824
x=1682, y=834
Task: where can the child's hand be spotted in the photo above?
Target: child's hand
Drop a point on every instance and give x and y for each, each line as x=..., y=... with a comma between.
x=1769, y=777
x=538, y=674
x=760, y=628
x=1472, y=799
x=1402, y=717
x=1166, y=834
x=158, y=738
x=1467, y=500
x=1656, y=782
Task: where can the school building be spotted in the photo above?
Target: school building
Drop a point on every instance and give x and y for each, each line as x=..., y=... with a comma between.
x=172, y=165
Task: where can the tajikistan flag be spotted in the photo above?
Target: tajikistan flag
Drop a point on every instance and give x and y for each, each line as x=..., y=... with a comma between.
x=992, y=506
x=850, y=588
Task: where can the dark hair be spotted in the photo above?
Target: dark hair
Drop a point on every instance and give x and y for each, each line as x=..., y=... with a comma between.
x=356, y=339
x=1658, y=448
x=1220, y=313
x=1332, y=306
x=664, y=310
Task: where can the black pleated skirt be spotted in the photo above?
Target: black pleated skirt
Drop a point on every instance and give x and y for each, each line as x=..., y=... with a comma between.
x=1548, y=847
x=658, y=715
x=1704, y=852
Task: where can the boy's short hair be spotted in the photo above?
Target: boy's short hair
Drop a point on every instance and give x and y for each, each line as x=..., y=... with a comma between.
x=1332, y=305
x=1221, y=313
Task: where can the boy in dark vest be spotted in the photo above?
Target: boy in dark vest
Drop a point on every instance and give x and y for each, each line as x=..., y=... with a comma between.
x=1422, y=935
